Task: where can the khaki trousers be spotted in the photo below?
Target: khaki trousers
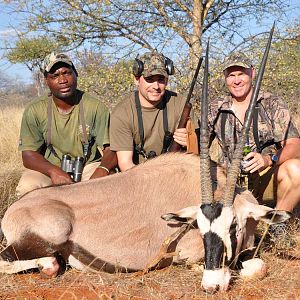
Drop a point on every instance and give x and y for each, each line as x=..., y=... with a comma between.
x=31, y=180
x=264, y=186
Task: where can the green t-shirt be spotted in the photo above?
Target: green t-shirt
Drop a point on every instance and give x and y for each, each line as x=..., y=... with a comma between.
x=66, y=129
x=124, y=132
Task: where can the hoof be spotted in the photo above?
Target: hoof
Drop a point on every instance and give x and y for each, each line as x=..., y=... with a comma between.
x=253, y=269
x=49, y=267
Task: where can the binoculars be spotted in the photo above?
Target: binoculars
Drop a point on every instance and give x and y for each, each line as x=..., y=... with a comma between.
x=151, y=154
x=73, y=167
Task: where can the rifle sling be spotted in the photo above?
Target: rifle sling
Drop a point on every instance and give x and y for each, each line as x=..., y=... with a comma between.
x=138, y=106
x=259, y=145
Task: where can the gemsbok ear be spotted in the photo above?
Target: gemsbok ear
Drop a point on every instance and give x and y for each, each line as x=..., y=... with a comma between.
x=275, y=216
x=185, y=215
x=246, y=209
x=266, y=214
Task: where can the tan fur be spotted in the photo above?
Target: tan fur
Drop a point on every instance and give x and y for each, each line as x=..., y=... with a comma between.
x=117, y=218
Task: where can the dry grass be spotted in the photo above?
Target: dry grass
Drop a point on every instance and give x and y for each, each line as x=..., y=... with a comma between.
x=10, y=159
x=10, y=120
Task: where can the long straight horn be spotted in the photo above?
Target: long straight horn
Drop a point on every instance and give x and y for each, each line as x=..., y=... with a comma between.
x=205, y=177
x=234, y=168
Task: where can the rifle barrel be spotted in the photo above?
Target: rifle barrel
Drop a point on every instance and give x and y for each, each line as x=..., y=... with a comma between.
x=175, y=147
x=194, y=80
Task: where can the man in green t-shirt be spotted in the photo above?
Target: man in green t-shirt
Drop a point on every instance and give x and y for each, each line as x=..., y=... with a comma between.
x=66, y=122
x=140, y=123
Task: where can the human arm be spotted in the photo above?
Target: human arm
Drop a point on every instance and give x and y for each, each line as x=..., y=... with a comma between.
x=32, y=142
x=35, y=161
x=125, y=160
x=109, y=161
x=284, y=132
x=257, y=161
x=121, y=134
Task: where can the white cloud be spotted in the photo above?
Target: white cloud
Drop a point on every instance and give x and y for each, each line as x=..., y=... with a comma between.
x=8, y=33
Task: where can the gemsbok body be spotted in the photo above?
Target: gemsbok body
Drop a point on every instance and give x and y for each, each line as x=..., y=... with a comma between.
x=114, y=223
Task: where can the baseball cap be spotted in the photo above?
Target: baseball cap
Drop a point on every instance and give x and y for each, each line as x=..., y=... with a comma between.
x=54, y=58
x=154, y=64
x=237, y=59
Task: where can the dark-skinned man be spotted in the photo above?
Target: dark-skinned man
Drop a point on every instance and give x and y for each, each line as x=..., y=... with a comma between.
x=67, y=121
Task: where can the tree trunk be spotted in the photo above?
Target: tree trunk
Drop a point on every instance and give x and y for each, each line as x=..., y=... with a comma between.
x=39, y=83
x=196, y=47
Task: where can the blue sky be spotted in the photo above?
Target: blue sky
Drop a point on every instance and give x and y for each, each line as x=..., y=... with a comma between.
x=8, y=31
x=9, y=26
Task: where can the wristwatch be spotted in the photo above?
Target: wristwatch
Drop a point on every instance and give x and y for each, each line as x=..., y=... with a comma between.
x=274, y=159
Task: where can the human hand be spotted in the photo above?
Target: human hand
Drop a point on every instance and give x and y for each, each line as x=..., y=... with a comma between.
x=99, y=172
x=180, y=136
x=59, y=177
x=255, y=161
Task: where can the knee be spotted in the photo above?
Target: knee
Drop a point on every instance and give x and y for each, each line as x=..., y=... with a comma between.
x=31, y=180
x=290, y=170
x=24, y=188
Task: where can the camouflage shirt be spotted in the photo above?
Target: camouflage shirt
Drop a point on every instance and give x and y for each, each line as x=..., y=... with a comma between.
x=274, y=123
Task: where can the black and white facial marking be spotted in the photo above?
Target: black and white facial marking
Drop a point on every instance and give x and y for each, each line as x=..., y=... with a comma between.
x=217, y=225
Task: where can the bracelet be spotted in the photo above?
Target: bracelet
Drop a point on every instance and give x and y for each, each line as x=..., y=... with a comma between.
x=104, y=168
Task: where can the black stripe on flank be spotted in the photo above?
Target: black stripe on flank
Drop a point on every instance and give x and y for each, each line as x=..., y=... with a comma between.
x=212, y=211
x=32, y=246
x=88, y=259
x=214, y=249
x=29, y=247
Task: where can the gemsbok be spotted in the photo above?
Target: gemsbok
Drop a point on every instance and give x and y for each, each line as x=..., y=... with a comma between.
x=114, y=223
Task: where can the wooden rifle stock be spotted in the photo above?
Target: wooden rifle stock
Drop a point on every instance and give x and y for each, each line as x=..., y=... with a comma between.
x=175, y=147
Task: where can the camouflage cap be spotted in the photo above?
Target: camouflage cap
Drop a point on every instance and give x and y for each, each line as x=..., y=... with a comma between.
x=237, y=59
x=154, y=64
x=54, y=58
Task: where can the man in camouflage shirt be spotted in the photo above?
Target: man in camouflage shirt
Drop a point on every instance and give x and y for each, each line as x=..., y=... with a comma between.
x=139, y=123
x=273, y=163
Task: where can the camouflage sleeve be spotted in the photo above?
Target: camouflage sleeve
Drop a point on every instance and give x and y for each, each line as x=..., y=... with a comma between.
x=283, y=125
x=212, y=115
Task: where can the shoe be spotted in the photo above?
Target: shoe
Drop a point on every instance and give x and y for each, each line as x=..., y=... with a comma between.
x=280, y=237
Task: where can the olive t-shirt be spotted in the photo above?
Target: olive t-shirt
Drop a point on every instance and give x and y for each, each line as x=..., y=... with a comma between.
x=124, y=129
x=66, y=130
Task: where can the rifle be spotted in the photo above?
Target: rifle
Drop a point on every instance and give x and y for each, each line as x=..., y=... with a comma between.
x=175, y=147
